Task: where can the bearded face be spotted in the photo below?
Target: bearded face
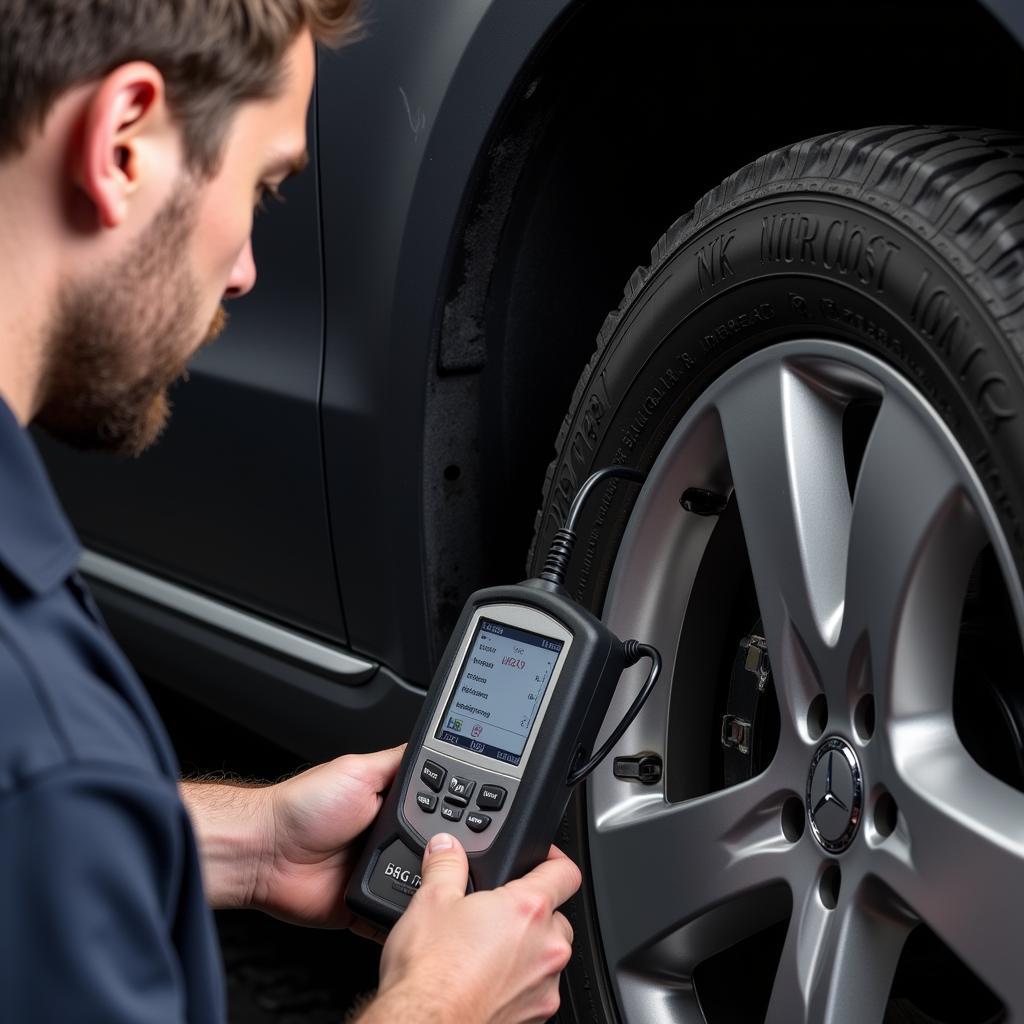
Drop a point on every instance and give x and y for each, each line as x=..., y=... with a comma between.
x=120, y=339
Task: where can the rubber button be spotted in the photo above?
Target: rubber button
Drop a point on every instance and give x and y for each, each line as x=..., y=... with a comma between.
x=477, y=822
x=461, y=787
x=433, y=775
x=427, y=802
x=491, y=798
x=451, y=812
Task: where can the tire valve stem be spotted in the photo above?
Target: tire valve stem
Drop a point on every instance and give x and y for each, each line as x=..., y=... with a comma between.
x=702, y=502
x=644, y=767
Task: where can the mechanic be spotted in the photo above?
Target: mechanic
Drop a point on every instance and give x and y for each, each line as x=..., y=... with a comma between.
x=135, y=138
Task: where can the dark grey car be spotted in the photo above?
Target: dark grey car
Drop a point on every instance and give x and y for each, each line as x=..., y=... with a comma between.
x=820, y=370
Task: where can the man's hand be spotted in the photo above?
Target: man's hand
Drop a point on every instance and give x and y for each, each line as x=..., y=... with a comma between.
x=316, y=818
x=488, y=958
x=289, y=849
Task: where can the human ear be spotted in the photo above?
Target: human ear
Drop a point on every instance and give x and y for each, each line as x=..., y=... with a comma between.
x=125, y=113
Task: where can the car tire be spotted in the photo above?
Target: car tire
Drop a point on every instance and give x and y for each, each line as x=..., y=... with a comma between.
x=866, y=271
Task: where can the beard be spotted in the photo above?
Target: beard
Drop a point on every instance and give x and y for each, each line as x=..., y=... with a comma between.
x=120, y=339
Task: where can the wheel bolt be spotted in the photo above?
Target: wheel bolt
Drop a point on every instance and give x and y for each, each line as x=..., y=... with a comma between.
x=886, y=815
x=828, y=887
x=864, y=718
x=817, y=717
x=794, y=818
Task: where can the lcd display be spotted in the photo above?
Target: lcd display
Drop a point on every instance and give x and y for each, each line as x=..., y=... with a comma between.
x=494, y=704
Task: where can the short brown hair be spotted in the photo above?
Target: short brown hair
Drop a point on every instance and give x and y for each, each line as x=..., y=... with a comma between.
x=214, y=55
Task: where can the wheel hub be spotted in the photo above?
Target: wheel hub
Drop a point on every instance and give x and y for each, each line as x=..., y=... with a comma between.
x=834, y=795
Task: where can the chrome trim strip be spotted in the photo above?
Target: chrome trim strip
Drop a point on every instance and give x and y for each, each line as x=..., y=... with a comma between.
x=214, y=613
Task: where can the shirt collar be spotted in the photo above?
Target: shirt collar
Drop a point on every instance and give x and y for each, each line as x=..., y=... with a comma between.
x=37, y=544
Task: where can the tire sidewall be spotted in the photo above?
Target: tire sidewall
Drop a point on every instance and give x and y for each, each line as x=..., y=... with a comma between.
x=799, y=263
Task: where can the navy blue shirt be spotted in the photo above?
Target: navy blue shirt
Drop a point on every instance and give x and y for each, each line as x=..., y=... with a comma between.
x=102, y=913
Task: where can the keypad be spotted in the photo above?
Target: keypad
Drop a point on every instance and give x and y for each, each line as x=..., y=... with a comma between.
x=452, y=792
x=433, y=775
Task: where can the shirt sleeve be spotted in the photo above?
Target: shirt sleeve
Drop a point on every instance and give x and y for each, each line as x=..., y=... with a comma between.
x=92, y=864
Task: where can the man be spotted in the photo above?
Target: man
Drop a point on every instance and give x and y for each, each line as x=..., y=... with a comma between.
x=135, y=138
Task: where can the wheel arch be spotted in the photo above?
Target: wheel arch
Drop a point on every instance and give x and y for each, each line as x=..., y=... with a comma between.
x=530, y=246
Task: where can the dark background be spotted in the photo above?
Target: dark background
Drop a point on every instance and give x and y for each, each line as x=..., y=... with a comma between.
x=276, y=973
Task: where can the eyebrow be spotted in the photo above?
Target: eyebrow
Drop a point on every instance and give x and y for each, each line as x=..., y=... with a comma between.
x=288, y=165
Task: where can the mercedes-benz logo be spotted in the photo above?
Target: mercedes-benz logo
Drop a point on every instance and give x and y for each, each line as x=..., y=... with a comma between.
x=834, y=794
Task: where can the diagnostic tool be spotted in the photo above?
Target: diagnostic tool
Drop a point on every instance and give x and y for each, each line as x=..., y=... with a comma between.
x=506, y=732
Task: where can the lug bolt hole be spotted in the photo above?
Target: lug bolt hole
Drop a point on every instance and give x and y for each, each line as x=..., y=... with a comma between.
x=793, y=819
x=828, y=887
x=864, y=717
x=817, y=717
x=886, y=815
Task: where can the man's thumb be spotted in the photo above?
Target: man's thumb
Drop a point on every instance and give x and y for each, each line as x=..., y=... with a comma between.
x=445, y=867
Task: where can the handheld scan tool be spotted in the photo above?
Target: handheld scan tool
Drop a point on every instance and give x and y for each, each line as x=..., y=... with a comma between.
x=504, y=735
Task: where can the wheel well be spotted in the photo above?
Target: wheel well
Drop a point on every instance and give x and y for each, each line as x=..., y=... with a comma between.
x=619, y=123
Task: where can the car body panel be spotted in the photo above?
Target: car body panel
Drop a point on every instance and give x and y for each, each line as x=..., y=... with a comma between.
x=1010, y=13
x=418, y=126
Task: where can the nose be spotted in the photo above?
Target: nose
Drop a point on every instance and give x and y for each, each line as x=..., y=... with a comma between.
x=243, y=274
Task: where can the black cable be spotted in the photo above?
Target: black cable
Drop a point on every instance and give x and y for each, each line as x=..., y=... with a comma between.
x=562, y=543
x=634, y=651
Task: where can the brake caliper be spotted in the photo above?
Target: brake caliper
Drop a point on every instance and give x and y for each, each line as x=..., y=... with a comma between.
x=750, y=685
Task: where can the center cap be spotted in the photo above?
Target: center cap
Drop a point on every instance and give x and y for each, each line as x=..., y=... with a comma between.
x=834, y=794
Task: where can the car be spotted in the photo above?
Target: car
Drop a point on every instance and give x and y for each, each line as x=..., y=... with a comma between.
x=818, y=368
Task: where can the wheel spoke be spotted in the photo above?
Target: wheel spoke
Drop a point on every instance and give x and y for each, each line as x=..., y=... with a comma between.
x=913, y=540
x=785, y=449
x=957, y=857
x=675, y=862
x=837, y=965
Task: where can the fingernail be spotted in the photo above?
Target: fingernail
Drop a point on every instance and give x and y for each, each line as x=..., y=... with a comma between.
x=442, y=841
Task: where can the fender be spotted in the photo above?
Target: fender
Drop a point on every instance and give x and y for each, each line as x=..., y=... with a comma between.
x=397, y=173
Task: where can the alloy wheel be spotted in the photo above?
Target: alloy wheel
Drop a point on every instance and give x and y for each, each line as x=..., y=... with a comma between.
x=871, y=816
